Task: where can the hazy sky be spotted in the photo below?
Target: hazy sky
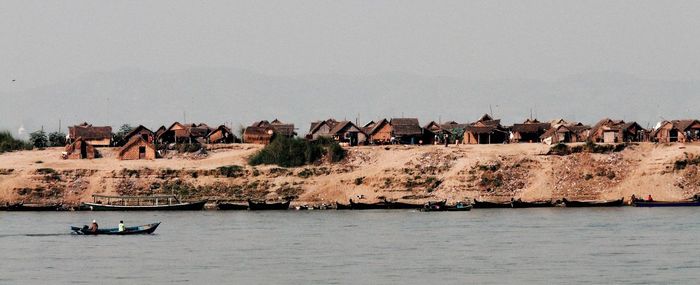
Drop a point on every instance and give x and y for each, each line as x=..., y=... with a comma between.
x=109, y=62
x=49, y=41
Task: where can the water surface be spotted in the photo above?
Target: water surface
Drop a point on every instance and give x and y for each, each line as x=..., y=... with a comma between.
x=490, y=246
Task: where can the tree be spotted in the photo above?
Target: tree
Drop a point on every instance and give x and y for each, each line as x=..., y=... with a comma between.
x=38, y=139
x=57, y=139
x=120, y=136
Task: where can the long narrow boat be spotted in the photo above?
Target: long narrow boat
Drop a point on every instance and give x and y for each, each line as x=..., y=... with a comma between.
x=231, y=206
x=593, y=203
x=654, y=204
x=340, y=206
x=490, y=205
x=443, y=207
x=138, y=230
x=402, y=205
x=367, y=206
x=142, y=203
x=534, y=204
x=22, y=207
x=256, y=206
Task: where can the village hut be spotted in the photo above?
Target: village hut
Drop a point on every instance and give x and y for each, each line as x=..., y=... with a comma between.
x=566, y=133
x=80, y=149
x=616, y=131
x=347, y=132
x=142, y=132
x=406, y=130
x=222, y=134
x=378, y=132
x=529, y=131
x=137, y=148
x=321, y=129
x=96, y=136
x=486, y=131
x=263, y=132
x=677, y=131
x=185, y=133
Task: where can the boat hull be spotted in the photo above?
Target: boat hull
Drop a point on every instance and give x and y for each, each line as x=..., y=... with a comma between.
x=261, y=206
x=32, y=208
x=490, y=205
x=655, y=204
x=195, y=206
x=138, y=230
x=538, y=204
x=582, y=204
x=231, y=206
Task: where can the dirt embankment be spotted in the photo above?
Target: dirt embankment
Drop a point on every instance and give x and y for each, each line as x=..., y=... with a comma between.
x=407, y=173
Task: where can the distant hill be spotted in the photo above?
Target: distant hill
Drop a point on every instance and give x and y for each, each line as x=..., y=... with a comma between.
x=218, y=95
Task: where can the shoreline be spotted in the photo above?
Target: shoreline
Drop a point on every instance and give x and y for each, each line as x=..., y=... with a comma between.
x=414, y=174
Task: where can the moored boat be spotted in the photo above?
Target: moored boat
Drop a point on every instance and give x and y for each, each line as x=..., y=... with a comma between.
x=533, y=204
x=655, y=204
x=142, y=203
x=143, y=229
x=489, y=205
x=340, y=206
x=593, y=203
x=402, y=205
x=22, y=207
x=256, y=206
x=459, y=206
x=231, y=206
x=367, y=206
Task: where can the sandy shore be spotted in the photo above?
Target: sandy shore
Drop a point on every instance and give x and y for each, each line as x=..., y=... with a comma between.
x=407, y=173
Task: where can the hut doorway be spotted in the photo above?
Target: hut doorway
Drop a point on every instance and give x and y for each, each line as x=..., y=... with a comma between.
x=142, y=152
x=83, y=150
x=673, y=136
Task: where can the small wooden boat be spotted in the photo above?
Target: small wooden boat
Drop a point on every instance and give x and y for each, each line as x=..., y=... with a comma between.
x=256, y=206
x=367, y=206
x=142, y=203
x=490, y=205
x=534, y=204
x=402, y=205
x=653, y=204
x=138, y=230
x=22, y=207
x=434, y=206
x=459, y=207
x=593, y=203
x=340, y=206
x=231, y=206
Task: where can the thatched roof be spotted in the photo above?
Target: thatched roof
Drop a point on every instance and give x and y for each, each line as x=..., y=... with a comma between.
x=371, y=129
x=530, y=127
x=90, y=132
x=137, y=130
x=406, y=126
x=342, y=127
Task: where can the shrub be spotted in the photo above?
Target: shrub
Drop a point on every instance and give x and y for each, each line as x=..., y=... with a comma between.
x=57, y=139
x=39, y=139
x=359, y=180
x=306, y=173
x=288, y=152
x=230, y=171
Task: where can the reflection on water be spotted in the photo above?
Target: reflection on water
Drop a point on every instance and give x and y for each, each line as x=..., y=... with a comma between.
x=499, y=246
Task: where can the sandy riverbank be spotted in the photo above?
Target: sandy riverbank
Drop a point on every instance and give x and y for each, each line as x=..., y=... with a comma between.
x=407, y=173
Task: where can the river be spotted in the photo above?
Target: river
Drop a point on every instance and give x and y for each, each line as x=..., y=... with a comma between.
x=489, y=246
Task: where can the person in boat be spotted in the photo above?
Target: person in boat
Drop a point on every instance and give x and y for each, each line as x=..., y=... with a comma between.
x=121, y=226
x=649, y=198
x=93, y=227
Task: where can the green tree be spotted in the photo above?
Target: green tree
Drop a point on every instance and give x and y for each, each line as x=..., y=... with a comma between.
x=120, y=136
x=38, y=139
x=9, y=143
x=57, y=139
